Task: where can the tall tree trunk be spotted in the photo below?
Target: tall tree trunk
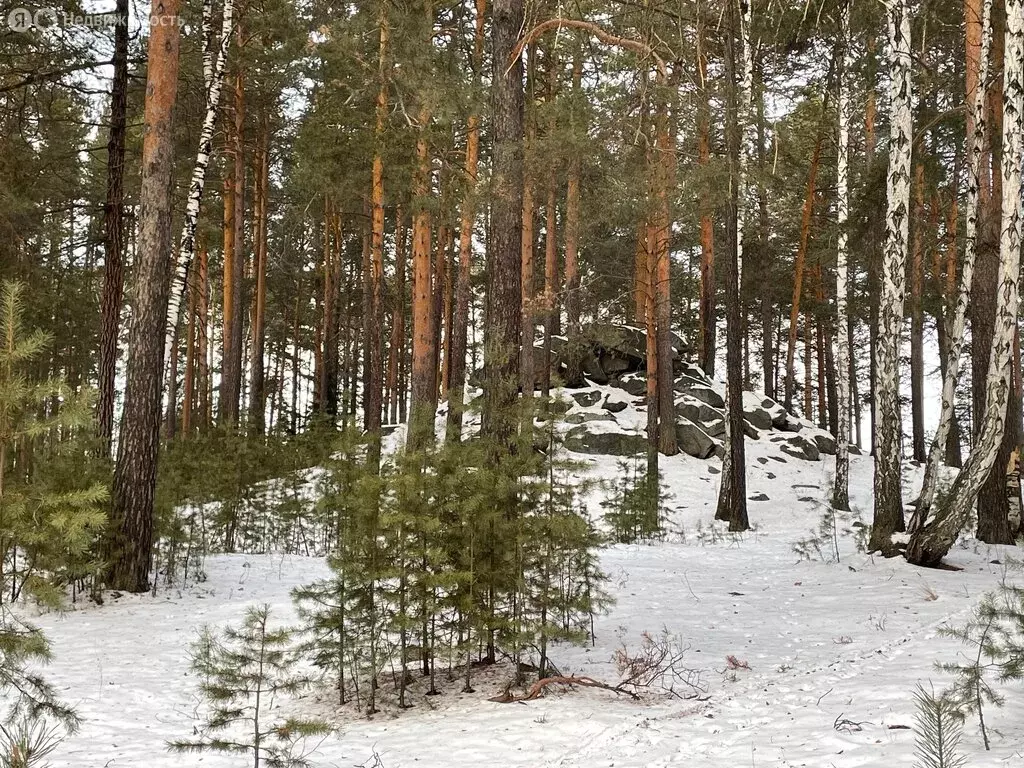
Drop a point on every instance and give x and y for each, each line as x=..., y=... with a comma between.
x=188, y=400
x=798, y=272
x=171, y=417
x=460, y=324
x=732, y=495
x=550, y=283
x=213, y=76
x=931, y=542
x=424, y=369
x=572, y=236
x=113, y=233
x=979, y=34
x=993, y=503
x=504, y=279
x=888, y=508
x=708, y=319
x=202, y=342
x=874, y=251
x=527, y=355
x=234, y=265
x=917, y=319
x=664, y=179
x=130, y=548
x=373, y=321
x=765, y=256
x=396, y=346
x=841, y=492
x=258, y=394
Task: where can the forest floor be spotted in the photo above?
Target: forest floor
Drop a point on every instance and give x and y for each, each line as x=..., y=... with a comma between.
x=828, y=653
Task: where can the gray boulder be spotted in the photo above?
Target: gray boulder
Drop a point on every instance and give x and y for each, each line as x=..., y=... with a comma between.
x=800, y=447
x=826, y=443
x=694, y=441
x=633, y=383
x=706, y=395
x=758, y=417
x=715, y=428
x=586, y=398
x=583, y=418
x=581, y=440
x=614, y=406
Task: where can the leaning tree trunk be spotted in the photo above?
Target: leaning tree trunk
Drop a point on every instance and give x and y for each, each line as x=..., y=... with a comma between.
x=130, y=548
x=113, y=233
x=732, y=496
x=213, y=76
x=888, y=511
x=931, y=543
x=841, y=493
x=955, y=333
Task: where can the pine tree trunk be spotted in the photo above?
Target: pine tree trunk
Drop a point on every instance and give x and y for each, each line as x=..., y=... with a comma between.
x=664, y=179
x=550, y=283
x=572, y=239
x=504, y=279
x=421, y=421
x=258, y=394
x=888, y=507
x=113, y=233
x=396, y=346
x=798, y=273
x=129, y=552
x=373, y=321
x=708, y=319
x=460, y=323
x=732, y=496
x=931, y=543
x=202, y=342
x=527, y=355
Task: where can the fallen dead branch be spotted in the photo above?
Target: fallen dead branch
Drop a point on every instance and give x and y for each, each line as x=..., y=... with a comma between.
x=536, y=690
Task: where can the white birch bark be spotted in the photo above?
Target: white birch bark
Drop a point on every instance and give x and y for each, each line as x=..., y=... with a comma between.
x=213, y=74
x=976, y=143
x=930, y=544
x=888, y=507
x=841, y=494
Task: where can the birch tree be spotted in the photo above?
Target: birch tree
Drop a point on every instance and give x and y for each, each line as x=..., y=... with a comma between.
x=841, y=494
x=214, y=65
x=930, y=543
x=975, y=152
x=888, y=512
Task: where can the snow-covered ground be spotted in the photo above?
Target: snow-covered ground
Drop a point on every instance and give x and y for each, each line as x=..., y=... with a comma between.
x=824, y=642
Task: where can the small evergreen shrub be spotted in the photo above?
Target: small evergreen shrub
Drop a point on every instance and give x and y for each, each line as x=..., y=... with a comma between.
x=244, y=671
x=938, y=730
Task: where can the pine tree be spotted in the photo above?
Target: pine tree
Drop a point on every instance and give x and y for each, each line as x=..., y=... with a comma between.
x=244, y=671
